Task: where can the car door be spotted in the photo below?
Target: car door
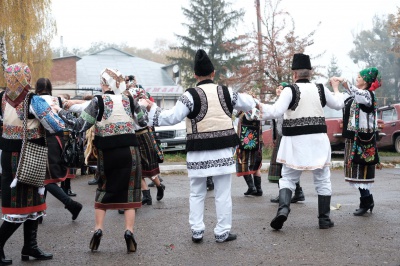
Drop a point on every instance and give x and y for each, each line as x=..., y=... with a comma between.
x=389, y=117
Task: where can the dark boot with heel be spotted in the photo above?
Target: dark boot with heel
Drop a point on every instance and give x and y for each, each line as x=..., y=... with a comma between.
x=7, y=229
x=146, y=199
x=95, y=241
x=31, y=248
x=74, y=208
x=257, y=184
x=250, y=183
x=324, y=210
x=285, y=196
x=160, y=192
x=366, y=203
x=298, y=194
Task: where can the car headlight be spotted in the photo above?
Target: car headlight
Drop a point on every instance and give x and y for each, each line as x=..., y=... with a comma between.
x=180, y=133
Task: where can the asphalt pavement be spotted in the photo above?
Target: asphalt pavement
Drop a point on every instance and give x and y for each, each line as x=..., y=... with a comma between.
x=164, y=238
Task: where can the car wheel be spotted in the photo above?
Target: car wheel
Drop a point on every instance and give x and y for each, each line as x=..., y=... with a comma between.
x=397, y=144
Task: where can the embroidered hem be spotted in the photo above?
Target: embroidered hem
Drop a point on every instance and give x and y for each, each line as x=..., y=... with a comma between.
x=297, y=167
x=20, y=218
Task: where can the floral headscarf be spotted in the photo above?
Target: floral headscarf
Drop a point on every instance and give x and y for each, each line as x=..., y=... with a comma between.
x=371, y=75
x=114, y=79
x=138, y=93
x=18, y=76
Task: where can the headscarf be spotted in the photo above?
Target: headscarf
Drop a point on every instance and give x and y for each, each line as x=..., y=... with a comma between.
x=371, y=75
x=139, y=93
x=18, y=76
x=284, y=84
x=114, y=79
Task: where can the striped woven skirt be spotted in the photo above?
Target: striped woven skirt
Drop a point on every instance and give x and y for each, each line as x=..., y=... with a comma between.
x=248, y=161
x=359, y=176
x=275, y=169
x=148, y=154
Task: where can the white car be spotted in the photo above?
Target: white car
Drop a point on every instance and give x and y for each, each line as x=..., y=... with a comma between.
x=172, y=138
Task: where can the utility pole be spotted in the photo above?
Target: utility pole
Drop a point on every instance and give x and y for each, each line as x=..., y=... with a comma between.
x=260, y=58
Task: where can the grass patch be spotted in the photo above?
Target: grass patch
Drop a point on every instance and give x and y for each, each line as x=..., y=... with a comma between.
x=173, y=157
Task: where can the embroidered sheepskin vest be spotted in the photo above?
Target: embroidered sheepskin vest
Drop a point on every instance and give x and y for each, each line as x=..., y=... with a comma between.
x=115, y=125
x=305, y=114
x=11, y=139
x=209, y=126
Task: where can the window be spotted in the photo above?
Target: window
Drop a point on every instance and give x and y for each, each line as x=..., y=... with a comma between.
x=388, y=115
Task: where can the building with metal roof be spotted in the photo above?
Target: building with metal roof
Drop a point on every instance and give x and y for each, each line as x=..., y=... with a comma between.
x=155, y=78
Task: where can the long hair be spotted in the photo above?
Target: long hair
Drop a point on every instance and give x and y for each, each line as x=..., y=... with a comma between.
x=43, y=86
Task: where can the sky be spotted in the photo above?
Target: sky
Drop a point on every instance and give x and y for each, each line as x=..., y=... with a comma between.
x=140, y=23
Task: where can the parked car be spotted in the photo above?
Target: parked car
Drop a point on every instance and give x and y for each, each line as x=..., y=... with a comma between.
x=391, y=127
x=172, y=138
x=334, y=124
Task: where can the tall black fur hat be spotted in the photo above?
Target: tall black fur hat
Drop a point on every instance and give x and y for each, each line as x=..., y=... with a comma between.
x=202, y=64
x=301, y=61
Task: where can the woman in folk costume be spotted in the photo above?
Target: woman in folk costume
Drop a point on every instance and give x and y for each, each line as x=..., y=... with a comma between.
x=22, y=204
x=275, y=168
x=149, y=152
x=249, y=153
x=360, y=98
x=55, y=143
x=118, y=163
x=211, y=140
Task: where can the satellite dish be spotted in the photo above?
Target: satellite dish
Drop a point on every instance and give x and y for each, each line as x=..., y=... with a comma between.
x=175, y=69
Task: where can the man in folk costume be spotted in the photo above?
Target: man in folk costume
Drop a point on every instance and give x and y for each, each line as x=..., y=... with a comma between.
x=21, y=203
x=211, y=140
x=305, y=144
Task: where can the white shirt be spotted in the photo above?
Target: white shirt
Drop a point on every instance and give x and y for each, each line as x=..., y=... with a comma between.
x=303, y=152
x=209, y=162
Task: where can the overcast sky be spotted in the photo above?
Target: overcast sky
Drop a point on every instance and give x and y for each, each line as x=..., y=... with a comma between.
x=139, y=23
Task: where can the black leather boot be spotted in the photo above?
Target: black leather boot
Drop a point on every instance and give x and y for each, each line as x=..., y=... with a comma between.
x=324, y=210
x=74, y=208
x=285, y=195
x=250, y=183
x=31, y=248
x=146, y=199
x=210, y=183
x=298, y=194
x=7, y=229
x=366, y=203
x=257, y=184
x=160, y=192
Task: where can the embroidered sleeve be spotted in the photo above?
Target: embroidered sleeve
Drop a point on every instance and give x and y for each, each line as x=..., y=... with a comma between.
x=360, y=96
x=42, y=111
x=160, y=117
x=85, y=121
x=185, y=100
x=140, y=114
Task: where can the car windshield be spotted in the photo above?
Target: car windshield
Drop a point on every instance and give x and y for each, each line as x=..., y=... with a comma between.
x=332, y=113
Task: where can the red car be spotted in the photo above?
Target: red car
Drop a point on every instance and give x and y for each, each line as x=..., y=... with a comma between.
x=334, y=123
x=391, y=128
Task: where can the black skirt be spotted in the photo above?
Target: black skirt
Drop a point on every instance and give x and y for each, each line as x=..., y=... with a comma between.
x=119, y=185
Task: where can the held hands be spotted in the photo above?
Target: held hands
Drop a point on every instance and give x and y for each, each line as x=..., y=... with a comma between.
x=55, y=108
x=146, y=103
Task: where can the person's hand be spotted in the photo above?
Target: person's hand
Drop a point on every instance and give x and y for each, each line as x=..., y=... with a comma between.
x=55, y=108
x=335, y=81
x=279, y=90
x=146, y=103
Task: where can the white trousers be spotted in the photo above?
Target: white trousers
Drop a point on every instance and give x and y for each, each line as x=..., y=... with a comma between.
x=223, y=203
x=322, y=179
